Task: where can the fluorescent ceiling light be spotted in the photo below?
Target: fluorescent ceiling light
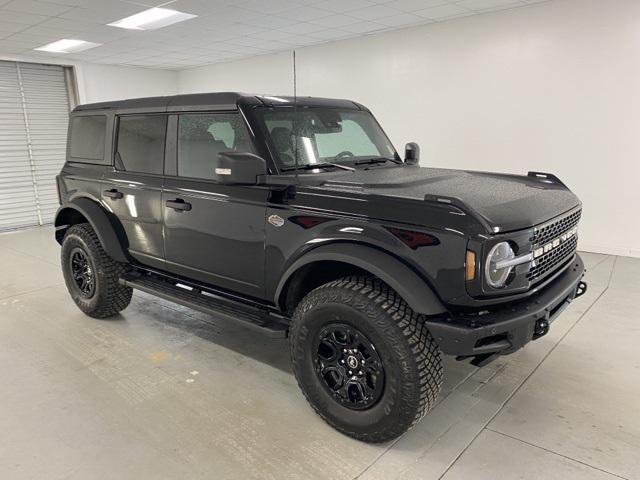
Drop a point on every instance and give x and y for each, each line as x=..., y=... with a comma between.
x=67, y=45
x=152, y=19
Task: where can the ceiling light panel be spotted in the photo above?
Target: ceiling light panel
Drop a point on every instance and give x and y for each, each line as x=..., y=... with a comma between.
x=67, y=45
x=152, y=19
x=222, y=30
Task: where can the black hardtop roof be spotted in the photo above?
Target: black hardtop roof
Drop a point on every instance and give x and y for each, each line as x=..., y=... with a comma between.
x=215, y=101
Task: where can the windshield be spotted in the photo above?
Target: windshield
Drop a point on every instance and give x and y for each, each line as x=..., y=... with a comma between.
x=320, y=135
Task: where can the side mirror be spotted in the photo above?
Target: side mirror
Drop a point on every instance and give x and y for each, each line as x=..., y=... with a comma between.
x=412, y=153
x=240, y=168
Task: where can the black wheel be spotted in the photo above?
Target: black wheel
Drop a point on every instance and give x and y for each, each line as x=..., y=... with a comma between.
x=91, y=275
x=363, y=359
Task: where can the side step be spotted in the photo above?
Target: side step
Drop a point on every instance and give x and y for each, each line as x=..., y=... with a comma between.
x=258, y=319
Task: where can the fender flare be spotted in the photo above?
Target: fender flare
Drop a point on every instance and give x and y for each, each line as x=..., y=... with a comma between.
x=408, y=284
x=99, y=221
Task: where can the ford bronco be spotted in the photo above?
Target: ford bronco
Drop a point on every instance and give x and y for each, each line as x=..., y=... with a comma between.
x=297, y=217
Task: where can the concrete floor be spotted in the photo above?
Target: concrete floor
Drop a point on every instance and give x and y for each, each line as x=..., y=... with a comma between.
x=164, y=392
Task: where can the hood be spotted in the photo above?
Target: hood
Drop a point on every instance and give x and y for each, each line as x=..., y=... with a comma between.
x=503, y=202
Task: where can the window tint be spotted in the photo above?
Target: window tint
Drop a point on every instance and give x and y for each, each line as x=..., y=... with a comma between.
x=352, y=138
x=87, y=137
x=318, y=134
x=141, y=142
x=201, y=137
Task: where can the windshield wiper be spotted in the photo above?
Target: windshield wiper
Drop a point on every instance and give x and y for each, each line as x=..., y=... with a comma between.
x=369, y=161
x=313, y=166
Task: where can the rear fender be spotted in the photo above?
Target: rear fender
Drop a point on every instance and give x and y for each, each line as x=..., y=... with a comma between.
x=99, y=221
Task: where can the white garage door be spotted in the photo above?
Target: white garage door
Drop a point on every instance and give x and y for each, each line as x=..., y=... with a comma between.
x=34, y=112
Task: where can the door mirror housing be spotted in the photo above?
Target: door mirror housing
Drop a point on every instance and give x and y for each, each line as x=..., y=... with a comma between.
x=239, y=168
x=412, y=153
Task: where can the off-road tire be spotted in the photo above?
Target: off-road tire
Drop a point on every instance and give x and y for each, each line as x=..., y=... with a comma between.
x=411, y=358
x=109, y=296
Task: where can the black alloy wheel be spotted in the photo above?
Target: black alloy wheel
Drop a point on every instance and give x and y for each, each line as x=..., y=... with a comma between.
x=348, y=366
x=82, y=272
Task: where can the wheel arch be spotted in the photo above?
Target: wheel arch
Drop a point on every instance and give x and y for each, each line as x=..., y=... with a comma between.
x=344, y=259
x=81, y=210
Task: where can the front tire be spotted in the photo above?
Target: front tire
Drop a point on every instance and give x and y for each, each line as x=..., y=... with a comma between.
x=361, y=322
x=91, y=275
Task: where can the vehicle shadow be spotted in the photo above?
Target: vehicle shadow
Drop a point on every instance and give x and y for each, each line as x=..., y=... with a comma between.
x=221, y=331
x=253, y=344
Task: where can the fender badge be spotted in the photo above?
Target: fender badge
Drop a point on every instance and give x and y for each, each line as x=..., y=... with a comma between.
x=276, y=220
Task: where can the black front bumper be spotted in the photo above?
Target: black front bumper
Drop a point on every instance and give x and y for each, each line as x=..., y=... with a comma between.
x=509, y=327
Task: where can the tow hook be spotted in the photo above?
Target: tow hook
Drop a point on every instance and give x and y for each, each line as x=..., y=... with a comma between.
x=541, y=328
x=581, y=289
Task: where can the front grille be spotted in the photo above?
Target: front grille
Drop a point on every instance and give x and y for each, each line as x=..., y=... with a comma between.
x=550, y=260
x=553, y=230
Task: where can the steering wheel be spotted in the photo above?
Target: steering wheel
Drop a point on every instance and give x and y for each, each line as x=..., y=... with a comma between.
x=345, y=153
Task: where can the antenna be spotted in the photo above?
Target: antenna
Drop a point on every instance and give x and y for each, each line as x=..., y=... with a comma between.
x=295, y=86
x=295, y=114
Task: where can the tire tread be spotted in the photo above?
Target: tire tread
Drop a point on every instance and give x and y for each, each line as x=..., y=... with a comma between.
x=425, y=361
x=113, y=296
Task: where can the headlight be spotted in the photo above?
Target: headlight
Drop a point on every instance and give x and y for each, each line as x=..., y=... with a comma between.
x=496, y=276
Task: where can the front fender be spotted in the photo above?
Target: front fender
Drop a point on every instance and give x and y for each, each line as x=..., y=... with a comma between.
x=408, y=284
x=99, y=221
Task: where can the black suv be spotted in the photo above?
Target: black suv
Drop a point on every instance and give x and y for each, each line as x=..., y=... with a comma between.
x=296, y=216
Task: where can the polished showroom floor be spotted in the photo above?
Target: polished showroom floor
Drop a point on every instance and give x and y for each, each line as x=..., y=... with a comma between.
x=162, y=392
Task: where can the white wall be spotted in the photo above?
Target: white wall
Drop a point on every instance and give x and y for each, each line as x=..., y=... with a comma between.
x=551, y=87
x=101, y=83
x=264, y=74
x=98, y=83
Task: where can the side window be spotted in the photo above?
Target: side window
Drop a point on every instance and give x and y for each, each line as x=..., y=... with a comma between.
x=141, y=142
x=88, y=136
x=201, y=137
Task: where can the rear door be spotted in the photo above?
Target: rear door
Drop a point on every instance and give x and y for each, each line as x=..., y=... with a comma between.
x=213, y=232
x=133, y=189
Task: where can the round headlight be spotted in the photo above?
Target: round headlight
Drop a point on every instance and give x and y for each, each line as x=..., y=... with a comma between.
x=497, y=277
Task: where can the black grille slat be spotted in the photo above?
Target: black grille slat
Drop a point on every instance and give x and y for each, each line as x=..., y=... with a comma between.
x=549, y=261
x=553, y=230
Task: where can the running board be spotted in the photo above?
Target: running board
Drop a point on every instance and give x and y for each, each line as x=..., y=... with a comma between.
x=258, y=319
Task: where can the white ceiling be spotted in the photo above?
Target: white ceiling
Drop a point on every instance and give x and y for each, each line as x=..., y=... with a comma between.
x=224, y=30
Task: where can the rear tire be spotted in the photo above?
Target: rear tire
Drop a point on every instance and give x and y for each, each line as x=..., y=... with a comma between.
x=360, y=320
x=91, y=275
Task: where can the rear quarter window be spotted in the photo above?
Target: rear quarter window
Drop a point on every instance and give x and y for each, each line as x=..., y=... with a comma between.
x=88, y=138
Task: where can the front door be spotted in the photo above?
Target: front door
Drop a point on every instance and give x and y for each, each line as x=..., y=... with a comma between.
x=214, y=233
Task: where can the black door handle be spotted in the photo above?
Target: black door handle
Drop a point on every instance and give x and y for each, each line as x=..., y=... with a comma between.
x=113, y=193
x=178, y=204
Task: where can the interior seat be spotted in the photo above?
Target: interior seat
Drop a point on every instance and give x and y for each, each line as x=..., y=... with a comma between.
x=282, y=139
x=196, y=154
